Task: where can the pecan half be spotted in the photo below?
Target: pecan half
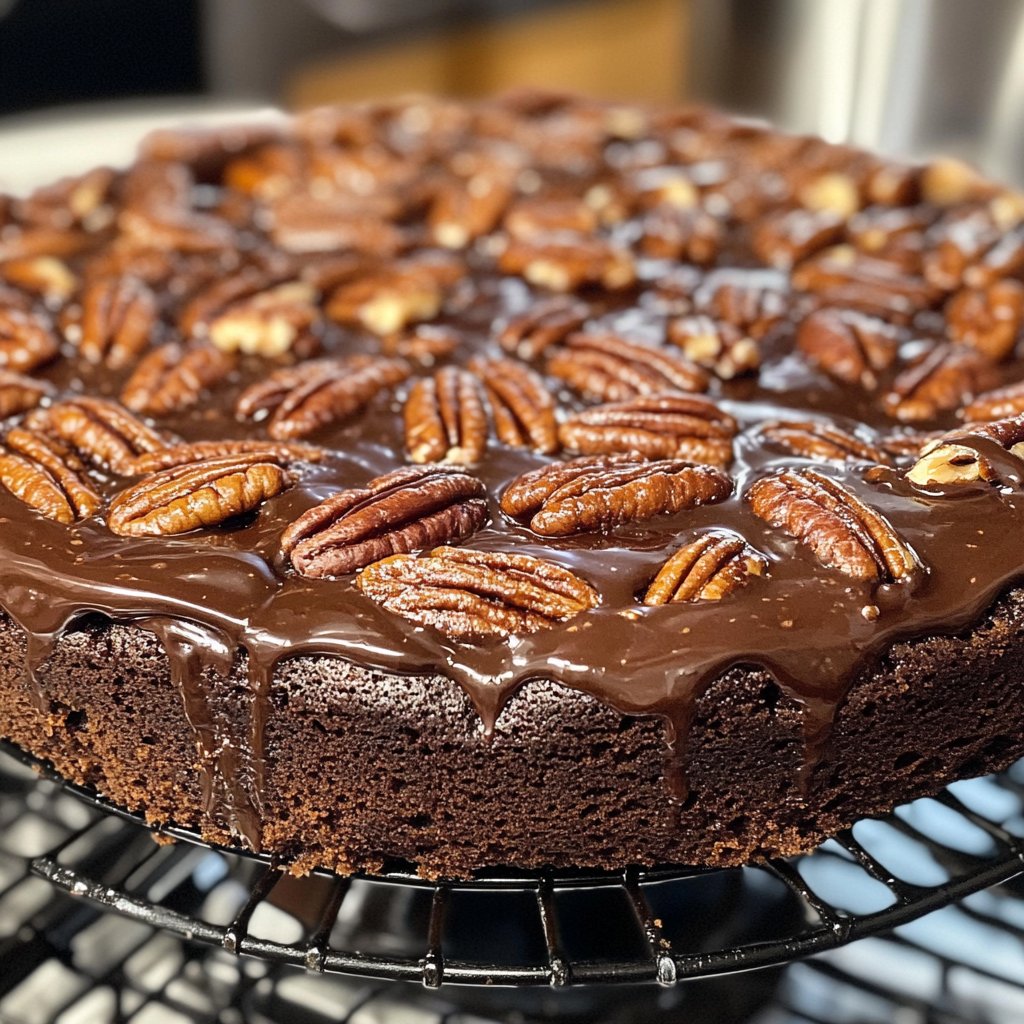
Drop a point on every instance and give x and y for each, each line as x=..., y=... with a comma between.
x=464, y=210
x=849, y=346
x=1004, y=259
x=843, y=532
x=31, y=242
x=103, y=432
x=174, y=377
x=831, y=192
x=987, y=319
x=662, y=186
x=528, y=335
x=116, y=321
x=424, y=343
x=813, y=440
x=219, y=293
x=521, y=406
x=541, y=216
x=157, y=212
x=80, y=201
x=466, y=593
x=658, y=427
x=268, y=323
x=18, y=394
x=196, y=495
x=995, y=405
x=947, y=181
x=45, y=276
x=445, y=418
x=970, y=247
x=46, y=475
x=407, y=510
x=842, y=276
x=707, y=569
x=395, y=297
x=566, y=264
x=893, y=233
x=26, y=340
x=267, y=172
x=691, y=235
x=605, y=491
x=953, y=459
x=752, y=300
x=715, y=344
x=785, y=238
x=305, y=223
x=611, y=369
x=941, y=379
x=303, y=399
x=207, y=151
x=202, y=451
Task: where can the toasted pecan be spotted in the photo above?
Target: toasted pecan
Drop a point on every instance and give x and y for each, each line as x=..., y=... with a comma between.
x=658, y=426
x=843, y=532
x=103, y=432
x=302, y=399
x=812, y=439
x=529, y=334
x=19, y=393
x=173, y=378
x=47, y=476
x=941, y=379
x=26, y=340
x=522, y=408
x=605, y=491
x=611, y=369
x=117, y=321
x=407, y=510
x=467, y=593
x=196, y=495
x=850, y=346
x=446, y=419
x=708, y=568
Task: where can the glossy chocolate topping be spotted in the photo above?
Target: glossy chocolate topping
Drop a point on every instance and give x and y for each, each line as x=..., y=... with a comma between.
x=215, y=595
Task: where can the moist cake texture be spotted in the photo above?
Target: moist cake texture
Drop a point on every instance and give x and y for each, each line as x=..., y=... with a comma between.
x=540, y=481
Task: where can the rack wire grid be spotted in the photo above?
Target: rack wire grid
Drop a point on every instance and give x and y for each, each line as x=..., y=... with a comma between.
x=72, y=872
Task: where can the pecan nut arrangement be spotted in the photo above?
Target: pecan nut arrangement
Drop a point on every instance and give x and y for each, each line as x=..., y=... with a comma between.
x=534, y=481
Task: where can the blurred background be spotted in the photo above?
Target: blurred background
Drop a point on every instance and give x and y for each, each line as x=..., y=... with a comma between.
x=908, y=76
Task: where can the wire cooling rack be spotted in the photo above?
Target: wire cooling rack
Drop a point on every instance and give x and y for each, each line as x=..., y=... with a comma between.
x=65, y=960
x=537, y=929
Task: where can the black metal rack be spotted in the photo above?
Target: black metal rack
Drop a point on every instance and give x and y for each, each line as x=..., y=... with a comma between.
x=67, y=862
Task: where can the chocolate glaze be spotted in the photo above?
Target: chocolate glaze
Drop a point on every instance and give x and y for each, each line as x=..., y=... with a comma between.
x=218, y=595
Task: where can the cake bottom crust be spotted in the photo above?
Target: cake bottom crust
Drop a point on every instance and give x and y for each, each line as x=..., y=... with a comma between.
x=362, y=766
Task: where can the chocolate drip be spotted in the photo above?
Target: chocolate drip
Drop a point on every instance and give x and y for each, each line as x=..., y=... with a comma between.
x=39, y=647
x=192, y=649
x=260, y=677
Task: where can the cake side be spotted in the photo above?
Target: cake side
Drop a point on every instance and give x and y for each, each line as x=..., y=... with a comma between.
x=364, y=766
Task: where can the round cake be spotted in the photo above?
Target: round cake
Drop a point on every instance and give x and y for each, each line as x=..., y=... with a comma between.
x=535, y=482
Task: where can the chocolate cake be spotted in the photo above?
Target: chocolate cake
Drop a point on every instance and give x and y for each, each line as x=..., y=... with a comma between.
x=540, y=481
